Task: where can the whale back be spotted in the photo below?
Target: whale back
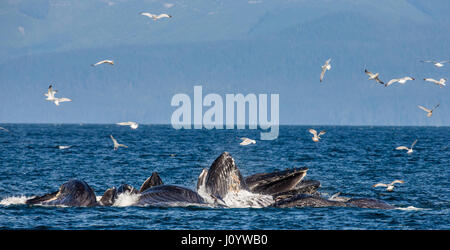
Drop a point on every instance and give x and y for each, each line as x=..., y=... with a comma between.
x=223, y=176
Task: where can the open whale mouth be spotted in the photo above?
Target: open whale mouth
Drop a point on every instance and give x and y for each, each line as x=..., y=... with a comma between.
x=275, y=182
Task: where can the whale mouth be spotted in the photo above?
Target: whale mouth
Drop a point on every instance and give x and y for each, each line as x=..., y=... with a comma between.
x=275, y=182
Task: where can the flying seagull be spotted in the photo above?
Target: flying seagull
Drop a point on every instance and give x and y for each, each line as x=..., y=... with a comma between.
x=50, y=93
x=390, y=186
x=325, y=67
x=316, y=136
x=133, y=125
x=246, y=141
x=155, y=17
x=429, y=111
x=441, y=81
x=437, y=64
x=410, y=150
x=51, y=96
x=116, y=144
x=373, y=76
x=111, y=62
x=399, y=80
x=2, y=128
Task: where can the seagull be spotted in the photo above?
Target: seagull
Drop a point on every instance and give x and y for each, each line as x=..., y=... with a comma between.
x=316, y=136
x=336, y=197
x=155, y=17
x=246, y=141
x=389, y=187
x=111, y=62
x=410, y=150
x=63, y=147
x=429, y=112
x=133, y=125
x=116, y=144
x=325, y=67
x=50, y=93
x=400, y=80
x=441, y=81
x=437, y=64
x=373, y=76
x=51, y=96
x=2, y=128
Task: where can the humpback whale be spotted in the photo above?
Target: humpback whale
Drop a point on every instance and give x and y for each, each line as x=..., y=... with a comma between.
x=286, y=188
x=72, y=193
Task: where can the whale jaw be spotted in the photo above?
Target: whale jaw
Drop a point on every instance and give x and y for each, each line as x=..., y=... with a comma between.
x=72, y=193
x=275, y=182
x=223, y=177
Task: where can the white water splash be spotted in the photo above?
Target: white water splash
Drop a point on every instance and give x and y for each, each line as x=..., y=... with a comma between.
x=240, y=199
x=126, y=199
x=411, y=208
x=14, y=200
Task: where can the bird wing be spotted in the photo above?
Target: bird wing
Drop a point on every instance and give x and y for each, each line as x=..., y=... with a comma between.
x=427, y=61
x=392, y=81
x=2, y=128
x=322, y=132
x=64, y=99
x=114, y=140
x=125, y=123
x=397, y=181
x=435, y=107
x=146, y=14
x=163, y=15
x=414, y=143
x=328, y=61
x=314, y=132
x=378, y=80
x=431, y=80
x=380, y=185
x=368, y=73
x=402, y=147
x=322, y=73
x=423, y=108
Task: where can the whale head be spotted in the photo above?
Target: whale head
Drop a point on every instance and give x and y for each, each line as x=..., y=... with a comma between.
x=222, y=177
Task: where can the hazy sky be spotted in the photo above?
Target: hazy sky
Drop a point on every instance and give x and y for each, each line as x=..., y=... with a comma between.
x=227, y=47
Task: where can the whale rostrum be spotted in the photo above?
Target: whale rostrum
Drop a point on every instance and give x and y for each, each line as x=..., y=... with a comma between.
x=288, y=188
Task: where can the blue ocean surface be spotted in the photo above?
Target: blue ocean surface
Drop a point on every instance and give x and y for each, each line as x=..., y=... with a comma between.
x=348, y=159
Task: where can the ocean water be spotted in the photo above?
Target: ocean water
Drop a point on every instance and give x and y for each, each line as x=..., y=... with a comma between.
x=348, y=159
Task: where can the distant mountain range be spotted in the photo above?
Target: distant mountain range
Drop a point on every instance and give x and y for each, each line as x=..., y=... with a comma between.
x=227, y=47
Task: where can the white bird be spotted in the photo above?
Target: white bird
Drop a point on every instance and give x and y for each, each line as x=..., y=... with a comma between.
x=133, y=125
x=246, y=141
x=155, y=17
x=111, y=62
x=429, y=111
x=441, y=81
x=373, y=76
x=316, y=136
x=336, y=197
x=390, y=186
x=51, y=96
x=50, y=93
x=2, y=128
x=116, y=144
x=63, y=147
x=399, y=80
x=437, y=64
x=410, y=150
x=325, y=67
